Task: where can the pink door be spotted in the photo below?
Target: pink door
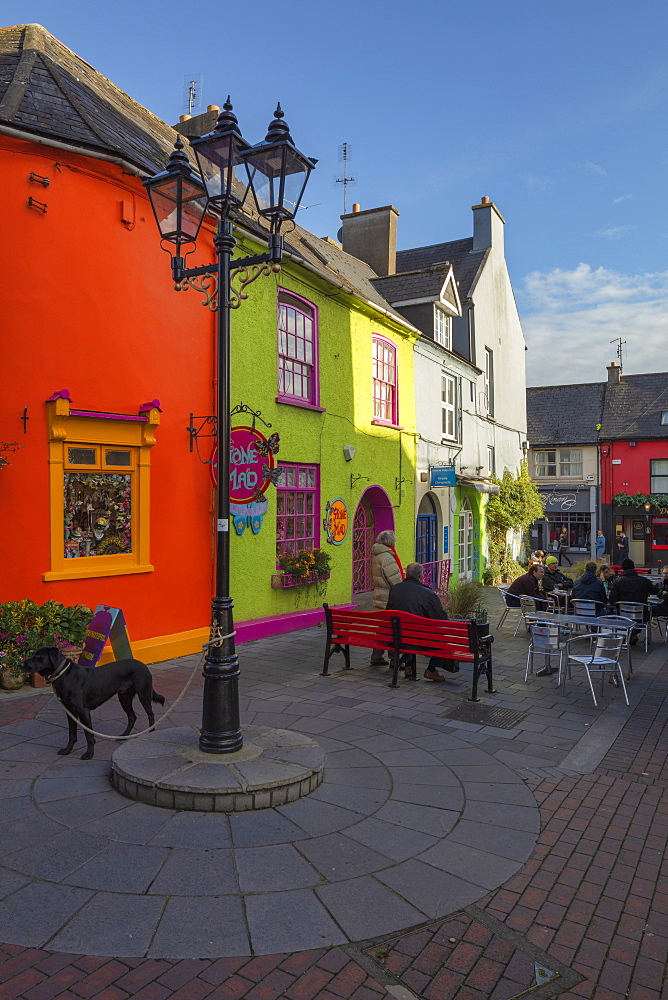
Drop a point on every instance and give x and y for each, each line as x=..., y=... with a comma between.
x=364, y=535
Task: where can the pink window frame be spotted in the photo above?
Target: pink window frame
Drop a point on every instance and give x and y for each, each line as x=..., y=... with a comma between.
x=307, y=308
x=314, y=490
x=386, y=342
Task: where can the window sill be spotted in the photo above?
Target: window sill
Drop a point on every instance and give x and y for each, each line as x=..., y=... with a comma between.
x=281, y=580
x=95, y=571
x=386, y=423
x=288, y=401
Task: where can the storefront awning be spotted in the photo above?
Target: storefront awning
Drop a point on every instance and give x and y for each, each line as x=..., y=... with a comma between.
x=481, y=485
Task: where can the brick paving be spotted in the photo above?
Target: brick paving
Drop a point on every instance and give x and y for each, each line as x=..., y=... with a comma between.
x=590, y=904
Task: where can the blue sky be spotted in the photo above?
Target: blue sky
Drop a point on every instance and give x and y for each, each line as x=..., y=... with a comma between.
x=555, y=111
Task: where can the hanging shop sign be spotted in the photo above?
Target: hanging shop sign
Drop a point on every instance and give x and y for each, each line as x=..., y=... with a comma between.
x=336, y=521
x=251, y=472
x=442, y=475
x=106, y=623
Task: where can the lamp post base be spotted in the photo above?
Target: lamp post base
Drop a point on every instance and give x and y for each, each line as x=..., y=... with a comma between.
x=167, y=769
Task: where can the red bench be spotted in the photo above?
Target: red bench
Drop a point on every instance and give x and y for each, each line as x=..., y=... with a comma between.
x=399, y=632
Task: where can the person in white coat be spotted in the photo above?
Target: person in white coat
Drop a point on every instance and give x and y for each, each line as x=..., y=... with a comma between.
x=387, y=571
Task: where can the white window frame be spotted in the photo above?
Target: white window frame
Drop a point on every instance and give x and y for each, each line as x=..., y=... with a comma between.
x=491, y=460
x=658, y=478
x=448, y=407
x=541, y=463
x=569, y=467
x=489, y=380
x=442, y=328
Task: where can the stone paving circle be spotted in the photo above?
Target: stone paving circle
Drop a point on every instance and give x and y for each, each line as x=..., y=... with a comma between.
x=409, y=824
x=167, y=769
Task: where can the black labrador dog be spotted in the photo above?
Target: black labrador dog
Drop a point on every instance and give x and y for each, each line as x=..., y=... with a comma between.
x=82, y=689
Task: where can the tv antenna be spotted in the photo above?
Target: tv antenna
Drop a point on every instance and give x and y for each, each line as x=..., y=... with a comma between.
x=620, y=347
x=192, y=91
x=344, y=157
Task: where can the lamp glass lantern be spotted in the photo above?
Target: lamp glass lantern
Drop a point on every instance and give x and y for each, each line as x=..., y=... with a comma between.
x=278, y=173
x=178, y=199
x=220, y=157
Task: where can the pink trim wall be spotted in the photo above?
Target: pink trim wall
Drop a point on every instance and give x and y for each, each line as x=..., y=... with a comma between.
x=263, y=628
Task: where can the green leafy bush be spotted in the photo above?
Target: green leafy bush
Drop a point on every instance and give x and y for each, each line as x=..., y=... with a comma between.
x=25, y=625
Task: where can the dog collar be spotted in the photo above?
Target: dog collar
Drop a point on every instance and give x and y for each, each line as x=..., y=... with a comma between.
x=63, y=669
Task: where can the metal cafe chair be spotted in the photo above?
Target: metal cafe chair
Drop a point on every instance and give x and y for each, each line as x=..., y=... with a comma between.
x=658, y=619
x=636, y=612
x=586, y=608
x=604, y=658
x=508, y=608
x=529, y=606
x=622, y=627
x=548, y=640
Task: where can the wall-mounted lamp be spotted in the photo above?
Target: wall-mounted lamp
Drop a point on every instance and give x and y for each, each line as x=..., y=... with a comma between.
x=348, y=452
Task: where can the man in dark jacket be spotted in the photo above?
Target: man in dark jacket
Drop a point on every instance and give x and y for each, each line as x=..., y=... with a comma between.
x=590, y=588
x=630, y=586
x=526, y=586
x=622, y=547
x=413, y=596
x=554, y=577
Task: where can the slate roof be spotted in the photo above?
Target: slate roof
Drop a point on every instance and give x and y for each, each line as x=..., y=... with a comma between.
x=466, y=262
x=564, y=414
x=47, y=90
x=633, y=408
x=413, y=284
x=568, y=414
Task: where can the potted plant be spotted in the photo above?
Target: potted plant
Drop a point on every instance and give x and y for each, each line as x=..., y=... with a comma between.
x=463, y=603
x=25, y=626
x=307, y=566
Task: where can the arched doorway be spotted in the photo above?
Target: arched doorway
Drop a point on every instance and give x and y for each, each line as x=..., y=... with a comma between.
x=465, y=539
x=374, y=513
x=426, y=531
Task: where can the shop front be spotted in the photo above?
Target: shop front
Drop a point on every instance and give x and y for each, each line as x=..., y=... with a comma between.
x=570, y=515
x=647, y=532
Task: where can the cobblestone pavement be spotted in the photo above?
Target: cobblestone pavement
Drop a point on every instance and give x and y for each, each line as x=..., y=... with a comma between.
x=585, y=916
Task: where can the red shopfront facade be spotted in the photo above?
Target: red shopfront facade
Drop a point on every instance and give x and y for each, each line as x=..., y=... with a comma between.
x=636, y=469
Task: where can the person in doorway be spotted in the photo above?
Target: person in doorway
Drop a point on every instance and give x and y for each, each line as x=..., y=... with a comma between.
x=632, y=587
x=413, y=596
x=563, y=545
x=387, y=571
x=622, y=547
x=600, y=545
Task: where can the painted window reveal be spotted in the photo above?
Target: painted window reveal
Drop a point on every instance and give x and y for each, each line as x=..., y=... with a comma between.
x=297, y=509
x=384, y=381
x=448, y=407
x=297, y=350
x=97, y=500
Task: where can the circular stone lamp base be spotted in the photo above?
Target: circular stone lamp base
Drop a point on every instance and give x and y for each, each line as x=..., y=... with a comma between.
x=168, y=769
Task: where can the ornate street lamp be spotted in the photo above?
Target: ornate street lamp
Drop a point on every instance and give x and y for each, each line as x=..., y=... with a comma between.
x=277, y=173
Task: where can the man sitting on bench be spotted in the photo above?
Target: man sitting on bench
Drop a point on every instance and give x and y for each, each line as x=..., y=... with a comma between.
x=413, y=596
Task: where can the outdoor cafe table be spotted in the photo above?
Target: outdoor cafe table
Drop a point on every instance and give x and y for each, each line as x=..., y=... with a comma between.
x=572, y=621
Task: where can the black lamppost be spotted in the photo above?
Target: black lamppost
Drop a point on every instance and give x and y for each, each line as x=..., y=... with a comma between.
x=276, y=173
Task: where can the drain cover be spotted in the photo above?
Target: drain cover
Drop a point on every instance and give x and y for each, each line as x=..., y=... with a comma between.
x=485, y=715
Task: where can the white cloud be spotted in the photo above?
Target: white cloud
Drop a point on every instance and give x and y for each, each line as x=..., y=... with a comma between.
x=613, y=232
x=623, y=197
x=595, y=168
x=570, y=317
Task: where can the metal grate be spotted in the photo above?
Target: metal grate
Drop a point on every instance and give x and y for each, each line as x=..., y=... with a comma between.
x=484, y=715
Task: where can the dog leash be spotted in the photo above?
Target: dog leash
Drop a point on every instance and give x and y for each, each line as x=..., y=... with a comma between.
x=217, y=641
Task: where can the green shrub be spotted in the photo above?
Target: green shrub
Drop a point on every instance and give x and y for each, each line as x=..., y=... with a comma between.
x=25, y=625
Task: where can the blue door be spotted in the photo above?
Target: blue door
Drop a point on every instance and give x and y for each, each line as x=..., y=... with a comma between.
x=426, y=544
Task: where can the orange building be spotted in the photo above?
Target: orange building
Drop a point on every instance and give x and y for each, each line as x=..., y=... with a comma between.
x=90, y=321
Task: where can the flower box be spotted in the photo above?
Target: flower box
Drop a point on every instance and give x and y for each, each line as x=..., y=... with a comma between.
x=281, y=580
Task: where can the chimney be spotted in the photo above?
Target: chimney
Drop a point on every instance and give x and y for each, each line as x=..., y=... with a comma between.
x=488, y=226
x=614, y=373
x=371, y=236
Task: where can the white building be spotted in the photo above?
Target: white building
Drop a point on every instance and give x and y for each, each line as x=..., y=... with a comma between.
x=470, y=387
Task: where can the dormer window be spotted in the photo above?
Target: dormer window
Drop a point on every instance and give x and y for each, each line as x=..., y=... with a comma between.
x=442, y=328
x=664, y=416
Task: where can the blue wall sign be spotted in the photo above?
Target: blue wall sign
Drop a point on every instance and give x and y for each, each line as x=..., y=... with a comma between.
x=446, y=540
x=443, y=475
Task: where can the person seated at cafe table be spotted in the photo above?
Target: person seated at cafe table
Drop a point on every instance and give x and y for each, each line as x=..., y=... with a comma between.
x=555, y=578
x=527, y=585
x=589, y=588
x=630, y=586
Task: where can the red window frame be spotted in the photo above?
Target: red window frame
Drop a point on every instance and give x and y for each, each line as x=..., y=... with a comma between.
x=297, y=508
x=385, y=389
x=297, y=329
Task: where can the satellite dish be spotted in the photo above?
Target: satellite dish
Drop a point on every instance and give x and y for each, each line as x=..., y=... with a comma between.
x=339, y=235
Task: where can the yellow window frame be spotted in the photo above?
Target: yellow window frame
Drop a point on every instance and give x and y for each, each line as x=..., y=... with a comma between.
x=67, y=429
